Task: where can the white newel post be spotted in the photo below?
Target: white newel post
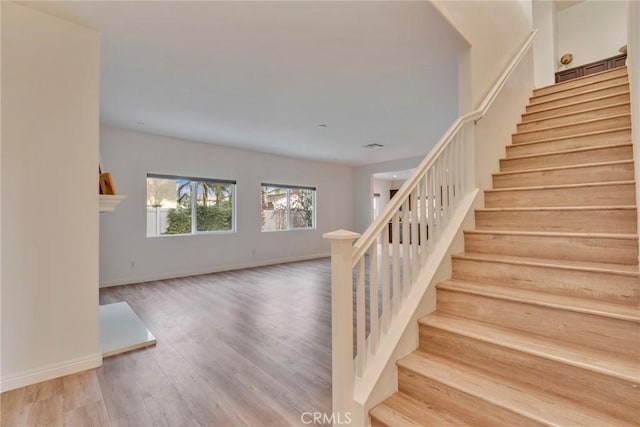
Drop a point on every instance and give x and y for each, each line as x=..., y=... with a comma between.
x=342, y=320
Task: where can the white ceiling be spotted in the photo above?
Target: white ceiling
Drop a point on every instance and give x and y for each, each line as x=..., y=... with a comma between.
x=264, y=75
x=395, y=175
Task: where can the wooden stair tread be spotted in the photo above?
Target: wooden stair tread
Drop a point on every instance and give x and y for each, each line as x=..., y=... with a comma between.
x=556, y=186
x=526, y=401
x=586, y=92
x=559, y=208
x=573, y=113
x=586, y=79
x=597, y=308
x=580, y=123
x=595, y=132
x=571, y=151
x=586, y=358
x=554, y=234
x=405, y=411
x=571, y=104
x=589, y=87
x=547, y=102
x=555, y=168
x=620, y=269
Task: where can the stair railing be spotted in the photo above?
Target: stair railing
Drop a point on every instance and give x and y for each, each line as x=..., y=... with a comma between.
x=373, y=276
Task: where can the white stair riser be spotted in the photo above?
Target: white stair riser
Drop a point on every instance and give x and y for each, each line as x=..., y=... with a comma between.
x=613, y=90
x=576, y=248
x=471, y=409
x=578, y=221
x=588, y=80
x=604, y=392
x=573, y=129
x=603, y=195
x=574, y=118
x=587, y=330
x=604, y=154
x=596, y=285
x=573, y=175
x=579, y=90
x=577, y=107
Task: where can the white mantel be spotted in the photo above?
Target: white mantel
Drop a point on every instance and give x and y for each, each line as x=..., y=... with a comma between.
x=109, y=202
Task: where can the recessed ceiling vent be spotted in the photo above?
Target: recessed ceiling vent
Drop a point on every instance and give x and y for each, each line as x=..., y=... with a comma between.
x=373, y=146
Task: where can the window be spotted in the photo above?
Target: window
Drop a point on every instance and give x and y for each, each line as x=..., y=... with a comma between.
x=287, y=207
x=184, y=205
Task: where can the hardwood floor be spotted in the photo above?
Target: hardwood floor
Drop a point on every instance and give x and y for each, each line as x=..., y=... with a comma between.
x=249, y=347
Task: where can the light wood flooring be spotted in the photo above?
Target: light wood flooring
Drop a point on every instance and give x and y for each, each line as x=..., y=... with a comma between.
x=249, y=347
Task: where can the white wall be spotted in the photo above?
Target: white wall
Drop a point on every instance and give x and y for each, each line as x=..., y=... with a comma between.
x=364, y=186
x=495, y=30
x=544, y=45
x=592, y=30
x=127, y=255
x=382, y=187
x=50, y=82
x=634, y=84
x=397, y=183
x=493, y=132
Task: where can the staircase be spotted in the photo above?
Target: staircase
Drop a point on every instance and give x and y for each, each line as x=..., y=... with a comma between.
x=539, y=324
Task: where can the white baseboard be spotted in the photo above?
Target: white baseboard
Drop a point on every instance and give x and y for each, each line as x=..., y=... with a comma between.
x=167, y=276
x=50, y=372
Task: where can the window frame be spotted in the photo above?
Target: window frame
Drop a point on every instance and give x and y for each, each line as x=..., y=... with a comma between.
x=193, y=184
x=289, y=187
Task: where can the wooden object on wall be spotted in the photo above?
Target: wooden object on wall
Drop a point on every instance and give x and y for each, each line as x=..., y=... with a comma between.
x=106, y=184
x=591, y=68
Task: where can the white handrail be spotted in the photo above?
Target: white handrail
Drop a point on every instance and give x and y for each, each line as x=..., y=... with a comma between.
x=394, y=204
x=413, y=227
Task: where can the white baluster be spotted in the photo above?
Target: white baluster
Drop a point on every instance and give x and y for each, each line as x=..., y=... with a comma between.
x=445, y=187
x=373, y=297
x=432, y=201
x=406, y=250
x=437, y=219
x=415, y=263
x=463, y=155
x=470, y=147
x=424, y=201
x=455, y=162
x=386, y=294
x=396, y=261
x=361, y=325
